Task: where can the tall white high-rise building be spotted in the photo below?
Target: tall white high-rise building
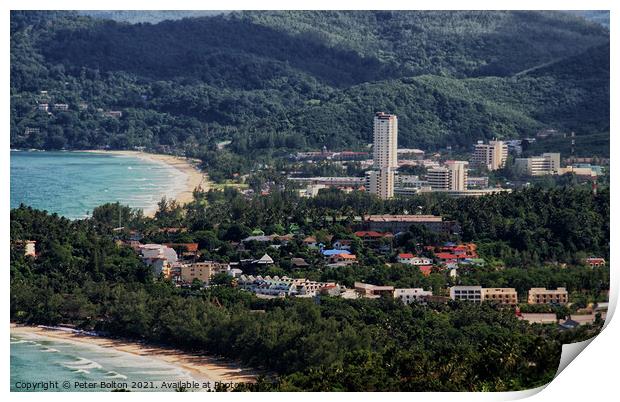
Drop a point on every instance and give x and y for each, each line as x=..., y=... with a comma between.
x=385, y=141
x=450, y=177
x=385, y=155
x=492, y=155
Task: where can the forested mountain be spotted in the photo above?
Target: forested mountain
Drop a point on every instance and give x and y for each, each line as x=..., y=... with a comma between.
x=598, y=16
x=294, y=80
x=150, y=16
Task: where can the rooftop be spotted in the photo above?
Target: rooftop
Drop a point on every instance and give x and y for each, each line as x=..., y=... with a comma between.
x=334, y=252
x=402, y=218
x=372, y=234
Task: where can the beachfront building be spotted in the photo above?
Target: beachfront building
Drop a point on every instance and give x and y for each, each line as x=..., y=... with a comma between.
x=411, y=295
x=385, y=155
x=547, y=296
x=492, y=155
x=158, y=256
x=546, y=164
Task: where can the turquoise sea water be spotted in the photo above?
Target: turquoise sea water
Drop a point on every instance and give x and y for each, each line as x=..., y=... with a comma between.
x=73, y=183
x=37, y=359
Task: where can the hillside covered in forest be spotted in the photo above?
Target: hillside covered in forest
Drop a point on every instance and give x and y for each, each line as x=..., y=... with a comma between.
x=277, y=81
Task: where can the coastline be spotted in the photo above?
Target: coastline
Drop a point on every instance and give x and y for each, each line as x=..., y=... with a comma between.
x=194, y=177
x=201, y=367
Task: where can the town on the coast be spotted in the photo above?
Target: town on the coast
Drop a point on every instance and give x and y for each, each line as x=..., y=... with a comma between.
x=185, y=266
x=307, y=201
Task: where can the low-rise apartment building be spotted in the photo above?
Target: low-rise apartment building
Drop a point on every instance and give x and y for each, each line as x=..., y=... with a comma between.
x=479, y=294
x=411, y=295
x=202, y=271
x=500, y=295
x=469, y=293
x=547, y=296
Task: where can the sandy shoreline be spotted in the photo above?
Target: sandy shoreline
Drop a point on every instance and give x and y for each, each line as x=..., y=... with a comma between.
x=194, y=177
x=201, y=367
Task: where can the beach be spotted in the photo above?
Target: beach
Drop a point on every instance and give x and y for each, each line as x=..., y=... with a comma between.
x=194, y=177
x=201, y=367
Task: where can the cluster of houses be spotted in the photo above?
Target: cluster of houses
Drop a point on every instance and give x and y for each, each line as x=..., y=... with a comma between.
x=451, y=254
x=179, y=262
x=44, y=105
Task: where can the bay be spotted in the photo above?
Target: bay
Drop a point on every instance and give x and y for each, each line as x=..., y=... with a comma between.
x=72, y=184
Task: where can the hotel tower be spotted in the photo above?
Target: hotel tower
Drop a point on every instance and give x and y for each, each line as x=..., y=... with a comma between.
x=385, y=162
